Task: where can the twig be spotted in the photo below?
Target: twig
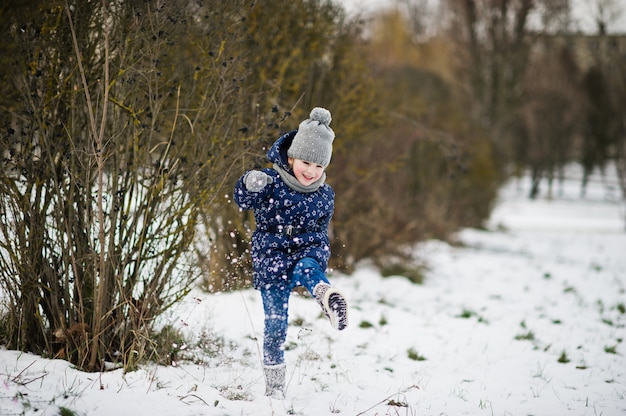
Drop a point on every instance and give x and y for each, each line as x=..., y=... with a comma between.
x=387, y=398
x=182, y=398
x=19, y=375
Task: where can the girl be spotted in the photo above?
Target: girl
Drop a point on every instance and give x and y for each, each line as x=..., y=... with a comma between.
x=292, y=209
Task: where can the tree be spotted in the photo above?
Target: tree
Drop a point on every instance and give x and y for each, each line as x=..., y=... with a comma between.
x=494, y=38
x=426, y=169
x=548, y=121
x=124, y=124
x=305, y=54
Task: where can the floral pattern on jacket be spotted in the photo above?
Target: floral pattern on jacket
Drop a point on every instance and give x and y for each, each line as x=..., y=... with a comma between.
x=276, y=206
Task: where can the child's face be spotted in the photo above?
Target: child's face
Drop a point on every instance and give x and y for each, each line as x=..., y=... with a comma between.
x=306, y=172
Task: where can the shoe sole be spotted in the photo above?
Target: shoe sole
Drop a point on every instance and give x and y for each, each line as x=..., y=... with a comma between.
x=338, y=312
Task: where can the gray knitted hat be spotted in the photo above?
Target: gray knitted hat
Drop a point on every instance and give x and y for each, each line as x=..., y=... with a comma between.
x=314, y=140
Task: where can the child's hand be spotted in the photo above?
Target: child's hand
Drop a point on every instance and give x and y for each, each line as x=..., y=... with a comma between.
x=256, y=180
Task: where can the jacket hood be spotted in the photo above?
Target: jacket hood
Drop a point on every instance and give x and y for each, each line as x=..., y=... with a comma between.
x=278, y=152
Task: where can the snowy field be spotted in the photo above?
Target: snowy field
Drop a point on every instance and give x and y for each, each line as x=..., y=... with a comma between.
x=524, y=318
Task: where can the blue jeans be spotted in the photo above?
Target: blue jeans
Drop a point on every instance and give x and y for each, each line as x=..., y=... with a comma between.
x=308, y=273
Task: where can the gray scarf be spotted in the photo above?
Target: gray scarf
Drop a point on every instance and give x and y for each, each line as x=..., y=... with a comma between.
x=293, y=183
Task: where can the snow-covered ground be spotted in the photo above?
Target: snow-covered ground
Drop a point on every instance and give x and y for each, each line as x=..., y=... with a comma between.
x=525, y=318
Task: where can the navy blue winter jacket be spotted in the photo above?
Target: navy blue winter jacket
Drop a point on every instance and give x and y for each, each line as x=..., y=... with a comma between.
x=277, y=206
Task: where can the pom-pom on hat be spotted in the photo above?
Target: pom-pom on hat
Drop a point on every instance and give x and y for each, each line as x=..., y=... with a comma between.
x=314, y=140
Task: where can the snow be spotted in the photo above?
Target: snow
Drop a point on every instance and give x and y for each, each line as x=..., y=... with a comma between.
x=523, y=318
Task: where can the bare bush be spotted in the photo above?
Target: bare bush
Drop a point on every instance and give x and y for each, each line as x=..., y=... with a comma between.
x=125, y=129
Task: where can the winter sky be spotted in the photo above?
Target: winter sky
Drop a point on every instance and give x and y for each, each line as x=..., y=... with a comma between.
x=583, y=11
